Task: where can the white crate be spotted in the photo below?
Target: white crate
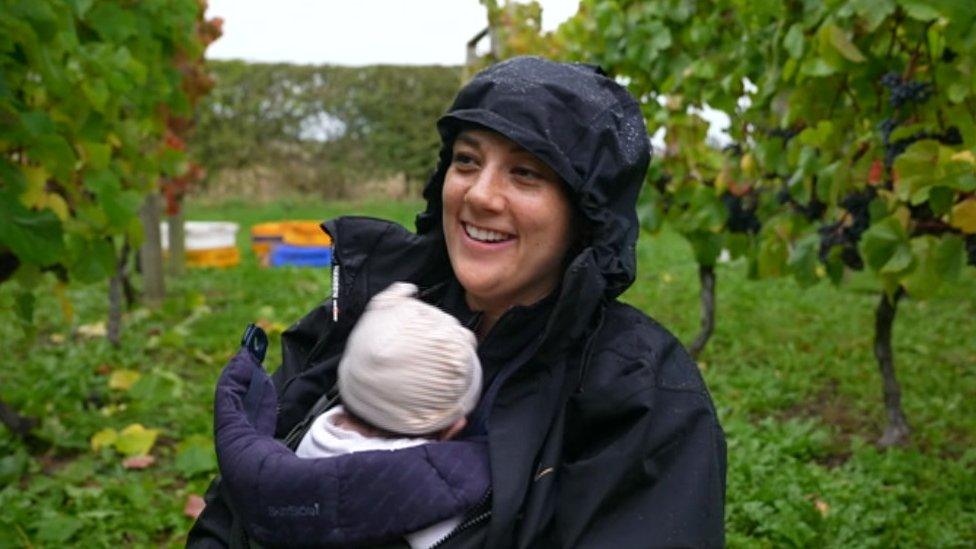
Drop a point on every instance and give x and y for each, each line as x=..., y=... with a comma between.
x=204, y=235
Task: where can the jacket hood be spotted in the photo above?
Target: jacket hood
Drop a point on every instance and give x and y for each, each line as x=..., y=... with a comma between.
x=583, y=125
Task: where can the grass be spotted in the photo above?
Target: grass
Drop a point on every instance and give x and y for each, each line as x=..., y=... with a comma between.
x=791, y=372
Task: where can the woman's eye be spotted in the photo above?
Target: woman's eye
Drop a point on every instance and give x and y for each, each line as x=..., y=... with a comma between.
x=463, y=159
x=526, y=173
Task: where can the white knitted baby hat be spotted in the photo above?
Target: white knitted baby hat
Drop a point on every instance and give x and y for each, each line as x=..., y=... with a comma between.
x=409, y=367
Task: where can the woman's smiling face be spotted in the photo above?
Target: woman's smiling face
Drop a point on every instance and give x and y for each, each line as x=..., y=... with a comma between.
x=506, y=222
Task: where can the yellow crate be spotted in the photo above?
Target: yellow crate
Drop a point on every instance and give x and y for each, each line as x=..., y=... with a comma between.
x=304, y=233
x=265, y=236
x=262, y=250
x=215, y=257
x=273, y=229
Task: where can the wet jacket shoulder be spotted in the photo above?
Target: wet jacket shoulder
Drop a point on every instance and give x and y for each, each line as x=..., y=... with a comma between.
x=644, y=461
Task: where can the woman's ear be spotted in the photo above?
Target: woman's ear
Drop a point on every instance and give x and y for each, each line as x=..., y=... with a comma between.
x=453, y=430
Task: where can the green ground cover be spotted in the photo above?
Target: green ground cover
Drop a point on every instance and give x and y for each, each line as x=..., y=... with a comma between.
x=791, y=372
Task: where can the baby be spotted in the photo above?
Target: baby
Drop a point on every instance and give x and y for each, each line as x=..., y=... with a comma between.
x=409, y=375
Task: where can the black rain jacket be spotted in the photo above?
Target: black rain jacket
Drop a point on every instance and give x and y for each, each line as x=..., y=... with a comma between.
x=600, y=430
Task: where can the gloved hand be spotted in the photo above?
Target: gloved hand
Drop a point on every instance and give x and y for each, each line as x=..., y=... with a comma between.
x=244, y=390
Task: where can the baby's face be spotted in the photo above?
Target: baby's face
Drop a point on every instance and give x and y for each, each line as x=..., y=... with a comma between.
x=346, y=420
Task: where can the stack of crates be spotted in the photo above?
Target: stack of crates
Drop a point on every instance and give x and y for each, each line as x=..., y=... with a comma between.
x=264, y=237
x=297, y=243
x=208, y=243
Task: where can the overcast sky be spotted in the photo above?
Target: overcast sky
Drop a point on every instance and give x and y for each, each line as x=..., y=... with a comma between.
x=366, y=32
x=356, y=32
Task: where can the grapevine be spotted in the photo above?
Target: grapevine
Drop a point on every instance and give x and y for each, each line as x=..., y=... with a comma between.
x=742, y=213
x=846, y=233
x=861, y=116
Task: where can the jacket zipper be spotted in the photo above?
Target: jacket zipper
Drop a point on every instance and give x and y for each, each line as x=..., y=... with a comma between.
x=470, y=522
x=335, y=291
x=588, y=349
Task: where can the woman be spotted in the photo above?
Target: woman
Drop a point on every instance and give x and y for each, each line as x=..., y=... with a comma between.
x=600, y=430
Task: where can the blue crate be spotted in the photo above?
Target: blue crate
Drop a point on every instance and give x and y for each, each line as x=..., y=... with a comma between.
x=301, y=256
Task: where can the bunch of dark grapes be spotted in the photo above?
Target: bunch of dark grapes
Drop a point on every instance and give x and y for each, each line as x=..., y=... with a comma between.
x=905, y=91
x=661, y=183
x=8, y=264
x=786, y=134
x=784, y=196
x=836, y=234
x=971, y=249
x=894, y=149
x=921, y=212
x=848, y=235
x=952, y=136
x=857, y=204
x=887, y=126
x=812, y=211
x=742, y=213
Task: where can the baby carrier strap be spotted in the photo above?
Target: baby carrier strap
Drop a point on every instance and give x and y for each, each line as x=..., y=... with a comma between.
x=323, y=404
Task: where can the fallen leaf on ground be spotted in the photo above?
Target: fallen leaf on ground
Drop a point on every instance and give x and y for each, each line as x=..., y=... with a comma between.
x=123, y=380
x=194, y=506
x=136, y=440
x=138, y=462
x=822, y=507
x=270, y=326
x=96, y=329
x=105, y=437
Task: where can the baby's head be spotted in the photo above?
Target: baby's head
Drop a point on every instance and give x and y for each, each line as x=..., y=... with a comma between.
x=409, y=368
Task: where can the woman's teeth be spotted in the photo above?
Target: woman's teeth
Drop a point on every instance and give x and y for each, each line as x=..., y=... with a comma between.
x=484, y=235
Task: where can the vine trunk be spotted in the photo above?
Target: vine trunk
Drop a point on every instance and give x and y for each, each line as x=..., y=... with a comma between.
x=896, y=430
x=706, y=278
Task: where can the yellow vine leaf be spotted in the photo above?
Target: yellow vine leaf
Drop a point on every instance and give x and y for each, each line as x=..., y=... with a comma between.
x=904, y=216
x=964, y=156
x=67, y=309
x=722, y=180
x=123, y=380
x=56, y=204
x=748, y=164
x=964, y=216
x=36, y=177
x=136, y=440
x=104, y=439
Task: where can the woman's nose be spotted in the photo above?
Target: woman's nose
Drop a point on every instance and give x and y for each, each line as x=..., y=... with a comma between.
x=485, y=192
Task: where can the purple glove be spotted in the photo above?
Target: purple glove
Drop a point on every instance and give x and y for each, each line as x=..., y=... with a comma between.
x=353, y=499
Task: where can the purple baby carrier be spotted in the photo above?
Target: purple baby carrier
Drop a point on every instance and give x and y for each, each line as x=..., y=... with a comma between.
x=355, y=499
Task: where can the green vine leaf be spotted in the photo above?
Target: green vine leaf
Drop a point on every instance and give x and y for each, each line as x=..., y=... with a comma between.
x=34, y=236
x=843, y=44
x=921, y=10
